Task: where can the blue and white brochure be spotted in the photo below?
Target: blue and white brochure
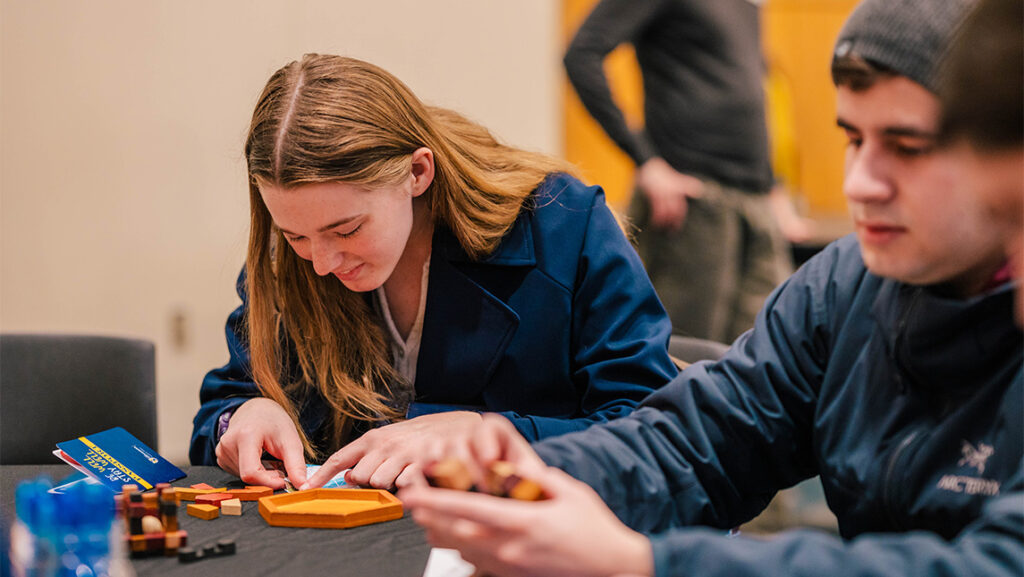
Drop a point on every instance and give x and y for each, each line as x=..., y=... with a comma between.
x=116, y=458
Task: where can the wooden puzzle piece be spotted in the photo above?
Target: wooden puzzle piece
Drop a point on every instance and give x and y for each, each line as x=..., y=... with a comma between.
x=212, y=499
x=200, y=511
x=231, y=507
x=500, y=479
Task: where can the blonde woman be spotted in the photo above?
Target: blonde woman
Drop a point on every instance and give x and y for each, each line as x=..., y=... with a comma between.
x=406, y=273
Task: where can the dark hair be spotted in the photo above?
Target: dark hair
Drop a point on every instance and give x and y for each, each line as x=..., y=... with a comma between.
x=856, y=73
x=982, y=84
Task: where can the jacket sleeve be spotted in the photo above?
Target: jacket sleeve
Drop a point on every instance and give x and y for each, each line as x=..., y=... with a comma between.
x=713, y=446
x=225, y=388
x=612, y=22
x=620, y=332
x=992, y=545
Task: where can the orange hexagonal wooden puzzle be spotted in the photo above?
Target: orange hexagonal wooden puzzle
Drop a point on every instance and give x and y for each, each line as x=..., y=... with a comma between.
x=330, y=508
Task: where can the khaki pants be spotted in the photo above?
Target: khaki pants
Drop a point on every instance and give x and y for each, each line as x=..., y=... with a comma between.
x=714, y=273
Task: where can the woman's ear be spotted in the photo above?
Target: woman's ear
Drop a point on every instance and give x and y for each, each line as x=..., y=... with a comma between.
x=422, y=170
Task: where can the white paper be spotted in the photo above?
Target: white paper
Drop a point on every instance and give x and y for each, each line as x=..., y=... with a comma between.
x=447, y=563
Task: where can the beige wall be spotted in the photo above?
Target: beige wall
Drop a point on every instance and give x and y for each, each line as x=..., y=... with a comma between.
x=122, y=187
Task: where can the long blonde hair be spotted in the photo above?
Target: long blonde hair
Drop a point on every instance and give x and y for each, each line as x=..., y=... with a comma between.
x=335, y=119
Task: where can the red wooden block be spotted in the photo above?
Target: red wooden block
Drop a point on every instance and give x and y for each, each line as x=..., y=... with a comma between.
x=202, y=486
x=189, y=494
x=213, y=498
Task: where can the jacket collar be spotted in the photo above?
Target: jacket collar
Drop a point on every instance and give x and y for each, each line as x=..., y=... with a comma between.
x=516, y=247
x=466, y=326
x=950, y=345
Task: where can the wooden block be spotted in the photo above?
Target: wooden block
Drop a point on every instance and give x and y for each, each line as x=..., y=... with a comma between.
x=450, y=473
x=151, y=524
x=224, y=547
x=169, y=495
x=497, y=476
x=173, y=540
x=169, y=516
x=501, y=480
x=186, y=494
x=135, y=514
x=137, y=543
x=231, y=507
x=526, y=490
x=213, y=498
x=202, y=486
x=330, y=508
x=251, y=493
x=155, y=543
x=188, y=555
x=201, y=511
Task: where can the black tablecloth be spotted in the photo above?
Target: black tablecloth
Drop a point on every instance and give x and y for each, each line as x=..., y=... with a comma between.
x=393, y=548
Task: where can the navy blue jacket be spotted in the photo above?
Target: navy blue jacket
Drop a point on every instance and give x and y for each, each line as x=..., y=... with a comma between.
x=557, y=329
x=909, y=405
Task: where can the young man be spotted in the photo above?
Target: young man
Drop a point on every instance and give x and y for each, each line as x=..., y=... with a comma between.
x=889, y=365
x=983, y=115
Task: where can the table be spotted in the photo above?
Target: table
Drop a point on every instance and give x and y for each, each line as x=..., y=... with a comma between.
x=390, y=549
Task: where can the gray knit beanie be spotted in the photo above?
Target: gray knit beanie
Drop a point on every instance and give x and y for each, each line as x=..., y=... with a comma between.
x=907, y=37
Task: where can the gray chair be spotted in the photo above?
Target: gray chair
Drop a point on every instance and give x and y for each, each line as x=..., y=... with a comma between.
x=691, y=349
x=58, y=387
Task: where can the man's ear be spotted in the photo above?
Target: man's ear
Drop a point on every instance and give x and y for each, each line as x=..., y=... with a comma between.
x=422, y=170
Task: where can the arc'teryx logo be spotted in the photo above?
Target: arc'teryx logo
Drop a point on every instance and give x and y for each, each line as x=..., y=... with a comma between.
x=975, y=457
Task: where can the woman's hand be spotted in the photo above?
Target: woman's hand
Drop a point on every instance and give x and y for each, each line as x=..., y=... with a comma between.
x=260, y=425
x=392, y=455
x=571, y=533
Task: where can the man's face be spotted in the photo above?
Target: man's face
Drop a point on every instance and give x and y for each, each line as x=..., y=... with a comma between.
x=997, y=178
x=915, y=221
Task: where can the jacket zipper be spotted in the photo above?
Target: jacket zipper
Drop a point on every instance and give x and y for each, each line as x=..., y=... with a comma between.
x=890, y=487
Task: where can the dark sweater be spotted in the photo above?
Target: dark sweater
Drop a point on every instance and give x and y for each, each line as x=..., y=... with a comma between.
x=702, y=73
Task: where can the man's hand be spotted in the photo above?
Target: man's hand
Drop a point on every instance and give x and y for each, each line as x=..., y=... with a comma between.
x=260, y=425
x=667, y=191
x=570, y=533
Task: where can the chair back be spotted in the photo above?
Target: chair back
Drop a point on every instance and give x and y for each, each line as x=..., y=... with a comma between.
x=58, y=387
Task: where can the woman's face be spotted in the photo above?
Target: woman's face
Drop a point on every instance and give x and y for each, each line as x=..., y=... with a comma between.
x=355, y=233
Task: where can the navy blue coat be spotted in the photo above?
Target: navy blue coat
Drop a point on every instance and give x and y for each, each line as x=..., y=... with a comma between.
x=909, y=405
x=558, y=329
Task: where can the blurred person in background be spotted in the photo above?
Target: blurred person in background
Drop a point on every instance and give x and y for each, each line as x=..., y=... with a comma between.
x=707, y=231
x=983, y=116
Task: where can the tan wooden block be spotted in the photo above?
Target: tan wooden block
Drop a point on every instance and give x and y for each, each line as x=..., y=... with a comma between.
x=231, y=507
